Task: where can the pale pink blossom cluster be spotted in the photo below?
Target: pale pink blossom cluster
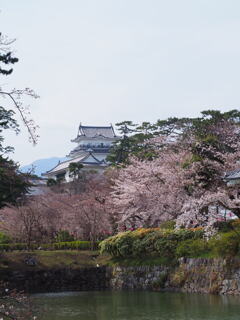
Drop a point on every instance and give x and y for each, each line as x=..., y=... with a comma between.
x=148, y=192
x=86, y=215
x=175, y=185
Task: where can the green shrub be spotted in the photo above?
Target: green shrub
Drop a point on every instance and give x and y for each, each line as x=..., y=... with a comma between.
x=139, y=248
x=198, y=234
x=223, y=226
x=122, y=244
x=235, y=224
x=192, y=248
x=165, y=247
x=185, y=234
x=73, y=245
x=4, y=238
x=170, y=225
x=147, y=242
x=106, y=246
x=15, y=246
x=64, y=236
x=225, y=244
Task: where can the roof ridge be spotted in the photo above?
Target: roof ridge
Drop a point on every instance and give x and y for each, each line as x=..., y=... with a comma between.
x=95, y=126
x=232, y=174
x=90, y=154
x=57, y=165
x=69, y=160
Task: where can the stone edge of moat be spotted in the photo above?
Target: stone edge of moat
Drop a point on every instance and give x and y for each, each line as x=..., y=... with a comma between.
x=214, y=276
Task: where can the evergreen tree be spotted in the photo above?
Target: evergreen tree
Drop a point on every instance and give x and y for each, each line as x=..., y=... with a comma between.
x=123, y=146
x=6, y=58
x=137, y=140
x=13, y=184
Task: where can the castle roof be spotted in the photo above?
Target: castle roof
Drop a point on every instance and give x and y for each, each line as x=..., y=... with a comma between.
x=95, y=131
x=85, y=159
x=232, y=175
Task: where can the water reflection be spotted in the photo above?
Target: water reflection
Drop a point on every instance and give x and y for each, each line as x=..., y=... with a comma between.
x=137, y=306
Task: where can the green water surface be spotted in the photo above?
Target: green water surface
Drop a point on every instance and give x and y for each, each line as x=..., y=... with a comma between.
x=136, y=306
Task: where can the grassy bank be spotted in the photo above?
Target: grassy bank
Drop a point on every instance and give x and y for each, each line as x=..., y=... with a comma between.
x=74, y=259
x=152, y=246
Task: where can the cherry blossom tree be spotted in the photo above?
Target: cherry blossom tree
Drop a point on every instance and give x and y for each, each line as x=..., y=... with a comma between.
x=86, y=216
x=184, y=181
x=148, y=192
x=15, y=95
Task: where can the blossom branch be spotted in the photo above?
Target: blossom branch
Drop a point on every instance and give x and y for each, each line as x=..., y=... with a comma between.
x=15, y=96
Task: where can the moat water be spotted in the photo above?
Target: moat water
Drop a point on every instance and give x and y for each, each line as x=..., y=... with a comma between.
x=136, y=306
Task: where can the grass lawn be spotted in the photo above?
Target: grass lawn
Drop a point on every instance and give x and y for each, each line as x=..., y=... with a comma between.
x=15, y=260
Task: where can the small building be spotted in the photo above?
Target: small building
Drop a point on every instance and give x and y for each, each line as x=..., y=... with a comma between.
x=38, y=188
x=232, y=178
x=93, y=146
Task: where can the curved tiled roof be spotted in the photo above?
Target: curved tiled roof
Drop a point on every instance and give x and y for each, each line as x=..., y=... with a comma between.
x=233, y=175
x=87, y=158
x=95, y=131
x=64, y=165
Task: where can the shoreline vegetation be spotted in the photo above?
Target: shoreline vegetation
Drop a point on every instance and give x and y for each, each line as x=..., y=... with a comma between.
x=140, y=247
x=152, y=259
x=168, y=245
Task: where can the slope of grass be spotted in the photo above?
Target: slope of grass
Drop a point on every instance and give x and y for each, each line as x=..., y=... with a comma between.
x=16, y=260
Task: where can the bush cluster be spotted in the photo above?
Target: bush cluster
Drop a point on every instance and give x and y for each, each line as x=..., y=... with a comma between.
x=225, y=244
x=163, y=242
x=192, y=248
x=173, y=243
x=4, y=238
x=64, y=236
x=73, y=245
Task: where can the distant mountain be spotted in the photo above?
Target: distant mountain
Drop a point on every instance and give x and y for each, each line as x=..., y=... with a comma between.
x=40, y=166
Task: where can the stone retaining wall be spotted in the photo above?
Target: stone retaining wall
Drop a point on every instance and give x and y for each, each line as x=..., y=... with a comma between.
x=217, y=276
x=36, y=281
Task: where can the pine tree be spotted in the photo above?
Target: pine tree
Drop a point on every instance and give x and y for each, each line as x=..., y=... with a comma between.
x=13, y=184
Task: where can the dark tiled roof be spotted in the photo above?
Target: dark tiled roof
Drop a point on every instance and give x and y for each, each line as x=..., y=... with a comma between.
x=84, y=159
x=233, y=175
x=92, y=131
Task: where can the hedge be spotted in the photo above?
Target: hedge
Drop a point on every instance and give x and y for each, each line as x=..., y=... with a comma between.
x=155, y=241
x=73, y=245
x=192, y=248
x=171, y=244
x=225, y=244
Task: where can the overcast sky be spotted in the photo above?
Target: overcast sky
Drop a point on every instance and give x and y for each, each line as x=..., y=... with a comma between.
x=104, y=61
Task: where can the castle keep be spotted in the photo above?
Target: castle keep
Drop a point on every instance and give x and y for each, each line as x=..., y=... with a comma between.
x=93, y=146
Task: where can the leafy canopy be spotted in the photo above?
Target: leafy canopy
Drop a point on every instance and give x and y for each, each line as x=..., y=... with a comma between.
x=136, y=139
x=13, y=184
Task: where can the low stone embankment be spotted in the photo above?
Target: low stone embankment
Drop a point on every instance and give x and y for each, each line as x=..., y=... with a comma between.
x=216, y=276
x=56, y=280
